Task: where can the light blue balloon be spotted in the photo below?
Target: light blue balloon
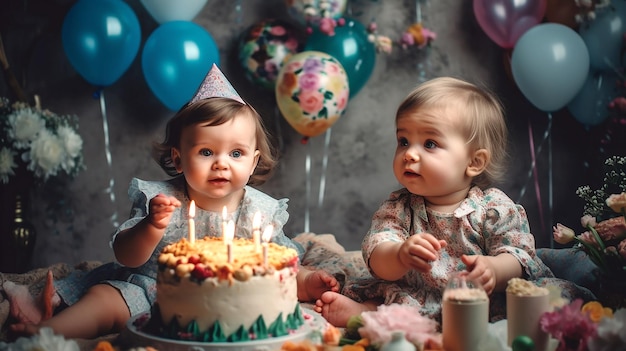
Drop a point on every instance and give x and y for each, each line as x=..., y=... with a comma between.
x=351, y=48
x=550, y=63
x=101, y=39
x=590, y=105
x=604, y=36
x=175, y=59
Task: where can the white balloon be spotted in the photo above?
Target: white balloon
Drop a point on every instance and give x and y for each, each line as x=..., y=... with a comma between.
x=169, y=10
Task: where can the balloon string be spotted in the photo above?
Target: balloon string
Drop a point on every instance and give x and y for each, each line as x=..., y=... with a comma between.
x=107, y=150
x=550, y=180
x=324, y=167
x=535, y=175
x=239, y=10
x=307, y=169
x=418, y=11
x=533, y=163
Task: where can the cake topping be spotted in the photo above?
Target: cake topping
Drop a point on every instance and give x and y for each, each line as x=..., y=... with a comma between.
x=521, y=287
x=208, y=257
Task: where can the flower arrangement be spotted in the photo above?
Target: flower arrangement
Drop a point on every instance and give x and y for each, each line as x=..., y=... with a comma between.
x=38, y=142
x=604, y=217
x=590, y=326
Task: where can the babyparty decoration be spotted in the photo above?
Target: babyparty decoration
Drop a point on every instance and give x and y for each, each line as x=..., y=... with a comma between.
x=263, y=49
x=604, y=36
x=504, y=21
x=167, y=10
x=550, y=63
x=101, y=39
x=175, y=59
x=351, y=47
x=312, y=92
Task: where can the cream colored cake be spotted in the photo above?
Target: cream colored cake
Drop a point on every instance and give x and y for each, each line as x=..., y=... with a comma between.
x=202, y=296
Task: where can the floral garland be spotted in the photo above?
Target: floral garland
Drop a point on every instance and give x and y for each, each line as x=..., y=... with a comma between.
x=43, y=143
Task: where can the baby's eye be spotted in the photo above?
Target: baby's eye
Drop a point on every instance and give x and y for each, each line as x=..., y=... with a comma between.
x=403, y=142
x=236, y=153
x=429, y=144
x=206, y=152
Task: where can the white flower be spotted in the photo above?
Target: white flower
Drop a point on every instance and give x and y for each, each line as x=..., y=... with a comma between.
x=24, y=125
x=611, y=334
x=73, y=142
x=46, y=340
x=6, y=164
x=46, y=154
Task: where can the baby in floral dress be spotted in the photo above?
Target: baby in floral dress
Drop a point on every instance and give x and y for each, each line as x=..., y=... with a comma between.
x=451, y=142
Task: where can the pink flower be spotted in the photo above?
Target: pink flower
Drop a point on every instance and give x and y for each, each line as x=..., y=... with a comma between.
x=378, y=325
x=327, y=26
x=617, y=202
x=563, y=234
x=588, y=220
x=570, y=326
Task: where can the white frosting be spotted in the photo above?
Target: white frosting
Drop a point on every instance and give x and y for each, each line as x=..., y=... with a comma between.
x=233, y=303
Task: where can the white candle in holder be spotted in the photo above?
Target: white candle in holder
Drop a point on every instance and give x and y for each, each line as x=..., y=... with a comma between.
x=267, y=236
x=230, y=234
x=256, y=231
x=192, y=223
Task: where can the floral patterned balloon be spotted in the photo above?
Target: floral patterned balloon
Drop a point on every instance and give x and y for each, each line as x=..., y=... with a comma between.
x=263, y=49
x=312, y=11
x=312, y=92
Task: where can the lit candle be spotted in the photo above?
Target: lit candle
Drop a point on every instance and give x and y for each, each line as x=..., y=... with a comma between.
x=267, y=235
x=192, y=223
x=230, y=234
x=256, y=231
x=224, y=222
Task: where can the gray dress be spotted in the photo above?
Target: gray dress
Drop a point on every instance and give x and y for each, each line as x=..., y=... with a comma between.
x=138, y=285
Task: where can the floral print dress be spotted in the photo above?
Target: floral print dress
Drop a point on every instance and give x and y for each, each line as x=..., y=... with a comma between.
x=138, y=285
x=486, y=223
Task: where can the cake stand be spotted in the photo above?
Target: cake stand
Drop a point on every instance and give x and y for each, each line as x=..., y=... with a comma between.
x=133, y=336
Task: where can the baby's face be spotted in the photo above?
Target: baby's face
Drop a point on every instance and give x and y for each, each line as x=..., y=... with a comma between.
x=432, y=155
x=217, y=161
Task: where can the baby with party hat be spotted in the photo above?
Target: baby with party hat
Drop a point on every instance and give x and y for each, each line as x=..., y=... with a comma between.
x=216, y=149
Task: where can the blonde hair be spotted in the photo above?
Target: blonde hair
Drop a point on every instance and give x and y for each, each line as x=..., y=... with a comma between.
x=213, y=112
x=482, y=122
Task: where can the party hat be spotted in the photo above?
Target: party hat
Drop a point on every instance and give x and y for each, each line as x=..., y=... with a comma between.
x=215, y=84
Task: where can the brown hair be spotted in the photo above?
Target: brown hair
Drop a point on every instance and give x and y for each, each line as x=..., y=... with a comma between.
x=483, y=124
x=213, y=112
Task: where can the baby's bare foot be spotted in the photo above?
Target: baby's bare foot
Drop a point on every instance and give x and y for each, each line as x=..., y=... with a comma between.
x=337, y=309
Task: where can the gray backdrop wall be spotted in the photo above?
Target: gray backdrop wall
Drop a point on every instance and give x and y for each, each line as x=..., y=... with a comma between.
x=358, y=175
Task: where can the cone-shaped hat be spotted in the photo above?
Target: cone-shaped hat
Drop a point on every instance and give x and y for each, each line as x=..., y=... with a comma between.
x=215, y=84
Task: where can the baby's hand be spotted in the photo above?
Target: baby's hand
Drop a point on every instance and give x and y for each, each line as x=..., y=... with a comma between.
x=160, y=210
x=480, y=270
x=419, y=249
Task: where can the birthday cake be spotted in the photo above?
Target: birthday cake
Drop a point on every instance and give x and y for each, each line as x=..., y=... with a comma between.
x=210, y=291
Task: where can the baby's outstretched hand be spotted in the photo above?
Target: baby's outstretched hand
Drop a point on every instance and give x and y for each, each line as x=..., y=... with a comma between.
x=419, y=249
x=480, y=270
x=160, y=210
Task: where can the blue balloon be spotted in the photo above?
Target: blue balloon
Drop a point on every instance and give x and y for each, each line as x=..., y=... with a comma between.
x=351, y=48
x=590, y=105
x=175, y=59
x=604, y=36
x=550, y=63
x=101, y=39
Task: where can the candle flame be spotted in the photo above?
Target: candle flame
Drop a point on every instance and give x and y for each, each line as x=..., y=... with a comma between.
x=192, y=209
x=230, y=231
x=267, y=233
x=256, y=221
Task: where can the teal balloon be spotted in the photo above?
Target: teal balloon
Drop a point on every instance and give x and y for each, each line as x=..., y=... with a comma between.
x=604, y=36
x=351, y=48
x=590, y=105
x=101, y=39
x=550, y=63
x=175, y=59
